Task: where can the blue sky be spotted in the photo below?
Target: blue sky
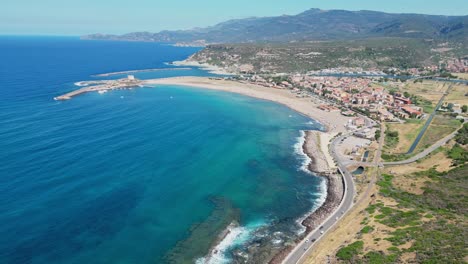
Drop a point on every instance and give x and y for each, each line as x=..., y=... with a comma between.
x=76, y=17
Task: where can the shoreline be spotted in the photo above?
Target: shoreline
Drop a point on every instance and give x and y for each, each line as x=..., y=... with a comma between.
x=334, y=193
x=333, y=122
x=315, y=145
x=322, y=164
x=312, y=147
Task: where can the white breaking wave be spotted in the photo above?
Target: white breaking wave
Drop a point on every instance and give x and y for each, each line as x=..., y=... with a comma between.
x=81, y=84
x=237, y=236
x=316, y=124
x=298, y=149
x=322, y=196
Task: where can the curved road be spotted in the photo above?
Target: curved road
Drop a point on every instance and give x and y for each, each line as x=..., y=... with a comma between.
x=306, y=245
x=425, y=152
x=348, y=199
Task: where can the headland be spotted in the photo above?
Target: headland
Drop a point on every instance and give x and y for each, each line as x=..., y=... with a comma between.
x=140, y=71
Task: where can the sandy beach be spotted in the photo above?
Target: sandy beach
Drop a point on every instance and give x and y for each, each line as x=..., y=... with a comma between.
x=313, y=148
x=315, y=145
x=333, y=121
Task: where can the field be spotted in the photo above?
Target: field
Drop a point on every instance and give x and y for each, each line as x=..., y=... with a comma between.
x=429, y=93
x=429, y=90
x=458, y=95
x=463, y=76
x=441, y=126
x=437, y=160
x=407, y=133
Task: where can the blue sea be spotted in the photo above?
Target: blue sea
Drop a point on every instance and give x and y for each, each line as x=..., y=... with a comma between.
x=148, y=175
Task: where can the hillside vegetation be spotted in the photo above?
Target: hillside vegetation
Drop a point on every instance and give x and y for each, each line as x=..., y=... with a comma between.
x=308, y=56
x=425, y=228
x=314, y=24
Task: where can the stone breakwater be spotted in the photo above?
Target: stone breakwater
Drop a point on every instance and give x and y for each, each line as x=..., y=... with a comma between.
x=335, y=192
x=100, y=86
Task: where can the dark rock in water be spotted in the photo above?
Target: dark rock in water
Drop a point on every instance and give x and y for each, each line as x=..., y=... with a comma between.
x=200, y=240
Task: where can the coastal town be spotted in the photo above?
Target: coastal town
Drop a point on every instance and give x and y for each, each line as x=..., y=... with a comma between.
x=361, y=94
x=234, y=132
x=362, y=116
x=366, y=114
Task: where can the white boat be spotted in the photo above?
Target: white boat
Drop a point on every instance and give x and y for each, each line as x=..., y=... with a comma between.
x=102, y=91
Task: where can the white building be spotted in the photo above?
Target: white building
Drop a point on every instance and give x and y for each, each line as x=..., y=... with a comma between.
x=131, y=77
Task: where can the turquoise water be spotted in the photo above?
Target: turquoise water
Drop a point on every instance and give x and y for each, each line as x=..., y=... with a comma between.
x=149, y=175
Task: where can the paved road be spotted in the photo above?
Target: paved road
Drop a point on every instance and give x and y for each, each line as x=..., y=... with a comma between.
x=303, y=247
x=425, y=152
x=306, y=245
x=428, y=122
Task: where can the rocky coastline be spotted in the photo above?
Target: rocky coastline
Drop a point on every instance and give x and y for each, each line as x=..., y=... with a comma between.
x=335, y=192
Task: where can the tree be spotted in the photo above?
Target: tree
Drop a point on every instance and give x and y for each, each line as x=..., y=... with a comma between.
x=462, y=136
x=377, y=135
x=406, y=94
x=450, y=106
x=464, y=108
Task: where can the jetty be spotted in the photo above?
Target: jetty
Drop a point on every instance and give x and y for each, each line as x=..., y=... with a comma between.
x=102, y=86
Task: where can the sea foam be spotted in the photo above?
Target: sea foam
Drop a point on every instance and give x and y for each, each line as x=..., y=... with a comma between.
x=322, y=193
x=298, y=149
x=237, y=235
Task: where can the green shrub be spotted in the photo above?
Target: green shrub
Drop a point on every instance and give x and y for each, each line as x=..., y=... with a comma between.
x=350, y=251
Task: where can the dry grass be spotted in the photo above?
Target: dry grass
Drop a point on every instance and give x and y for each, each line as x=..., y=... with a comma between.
x=463, y=76
x=457, y=95
x=380, y=231
x=440, y=127
x=407, y=134
x=428, y=89
x=411, y=184
x=438, y=160
x=342, y=233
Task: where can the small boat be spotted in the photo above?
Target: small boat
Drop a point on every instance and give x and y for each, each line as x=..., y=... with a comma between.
x=102, y=91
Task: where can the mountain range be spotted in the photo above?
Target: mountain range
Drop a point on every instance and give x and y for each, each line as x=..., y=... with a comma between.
x=313, y=24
